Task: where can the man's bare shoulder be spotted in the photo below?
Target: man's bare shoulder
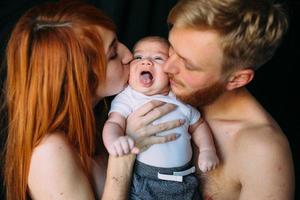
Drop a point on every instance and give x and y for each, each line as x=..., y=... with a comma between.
x=262, y=139
x=262, y=157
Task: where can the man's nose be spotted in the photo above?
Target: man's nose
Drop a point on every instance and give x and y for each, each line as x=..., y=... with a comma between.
x=170, y=65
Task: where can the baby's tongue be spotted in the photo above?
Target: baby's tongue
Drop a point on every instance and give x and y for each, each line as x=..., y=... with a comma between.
x=146, y=78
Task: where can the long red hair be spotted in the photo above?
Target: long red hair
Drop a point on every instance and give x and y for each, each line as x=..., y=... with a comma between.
x=55, y=59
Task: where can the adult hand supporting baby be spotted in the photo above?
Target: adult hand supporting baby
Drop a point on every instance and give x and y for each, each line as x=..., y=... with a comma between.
x=140, y=127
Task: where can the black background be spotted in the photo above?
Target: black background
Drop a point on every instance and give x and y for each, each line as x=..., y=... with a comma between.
x=276, y=84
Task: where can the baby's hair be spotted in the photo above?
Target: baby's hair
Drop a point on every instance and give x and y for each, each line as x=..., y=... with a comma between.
x=159, y=39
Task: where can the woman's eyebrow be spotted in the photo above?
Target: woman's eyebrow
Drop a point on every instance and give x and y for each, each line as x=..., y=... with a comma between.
x=113, y=42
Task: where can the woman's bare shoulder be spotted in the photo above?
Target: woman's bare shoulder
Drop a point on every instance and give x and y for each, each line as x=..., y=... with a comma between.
x=52, y=149
x=52, y=141
x=55, y=171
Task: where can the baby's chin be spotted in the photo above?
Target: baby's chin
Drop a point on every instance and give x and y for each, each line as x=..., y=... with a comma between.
x=151, y=90
x=144, y=90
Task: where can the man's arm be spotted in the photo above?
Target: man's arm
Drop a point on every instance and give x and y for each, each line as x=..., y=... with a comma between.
x=266, y=170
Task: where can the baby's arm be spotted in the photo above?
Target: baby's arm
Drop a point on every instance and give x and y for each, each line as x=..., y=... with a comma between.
x=113, y=135
x=202, y=137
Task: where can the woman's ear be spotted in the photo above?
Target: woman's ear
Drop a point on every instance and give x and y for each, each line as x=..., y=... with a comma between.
x=239, y=78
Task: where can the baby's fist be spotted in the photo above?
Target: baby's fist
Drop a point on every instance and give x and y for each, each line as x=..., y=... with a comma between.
x=122, y=146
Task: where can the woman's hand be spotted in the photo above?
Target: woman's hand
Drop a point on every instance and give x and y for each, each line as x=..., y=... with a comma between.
x=139, y=125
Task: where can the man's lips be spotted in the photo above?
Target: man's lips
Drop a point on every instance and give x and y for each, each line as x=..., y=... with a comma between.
x=174, y=83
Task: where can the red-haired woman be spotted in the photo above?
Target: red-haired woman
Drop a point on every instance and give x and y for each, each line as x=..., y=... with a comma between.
x=62, y=59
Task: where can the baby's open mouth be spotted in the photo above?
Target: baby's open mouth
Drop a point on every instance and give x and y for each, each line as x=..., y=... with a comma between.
x=146, y=78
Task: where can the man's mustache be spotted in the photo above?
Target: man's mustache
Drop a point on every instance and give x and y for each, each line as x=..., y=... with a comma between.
x=176, y=81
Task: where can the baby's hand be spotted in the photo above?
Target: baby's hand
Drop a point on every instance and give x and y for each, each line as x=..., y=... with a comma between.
x=207, y=160
x=122, y=146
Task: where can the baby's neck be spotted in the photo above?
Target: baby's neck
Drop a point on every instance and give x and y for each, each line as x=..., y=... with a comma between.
x=164, y=93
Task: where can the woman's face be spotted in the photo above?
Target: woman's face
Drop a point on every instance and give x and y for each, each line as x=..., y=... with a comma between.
x=118, y=58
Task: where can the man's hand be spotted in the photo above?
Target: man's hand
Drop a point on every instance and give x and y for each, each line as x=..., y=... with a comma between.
x=139, y=125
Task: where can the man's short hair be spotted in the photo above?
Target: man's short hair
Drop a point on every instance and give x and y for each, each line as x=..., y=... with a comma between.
x=250, y=30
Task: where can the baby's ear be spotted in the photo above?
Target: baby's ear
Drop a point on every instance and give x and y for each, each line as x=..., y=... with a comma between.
x=239, y=78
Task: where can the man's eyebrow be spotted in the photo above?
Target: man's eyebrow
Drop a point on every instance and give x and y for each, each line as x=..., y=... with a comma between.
x=185, y=59
x=179, y=55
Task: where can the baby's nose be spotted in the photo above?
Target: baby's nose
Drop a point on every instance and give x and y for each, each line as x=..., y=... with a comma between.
x=146, y=61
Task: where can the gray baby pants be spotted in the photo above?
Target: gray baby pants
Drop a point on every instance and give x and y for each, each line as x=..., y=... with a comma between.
x=147, y=186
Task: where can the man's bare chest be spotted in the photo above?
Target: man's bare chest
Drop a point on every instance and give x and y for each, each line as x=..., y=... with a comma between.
x=222, y=183
x=217, y=185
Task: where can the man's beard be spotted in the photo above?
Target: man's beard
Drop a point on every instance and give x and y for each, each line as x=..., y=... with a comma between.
x=203, y=97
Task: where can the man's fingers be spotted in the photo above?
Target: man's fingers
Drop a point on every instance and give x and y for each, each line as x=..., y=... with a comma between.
x=147, y=142
x=143, y=110
x=163, y=139
x=158, y=112
x=151, y=130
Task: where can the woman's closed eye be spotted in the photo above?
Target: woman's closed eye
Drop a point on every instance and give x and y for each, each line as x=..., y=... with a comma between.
x=114, y=50
x=113, y=55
